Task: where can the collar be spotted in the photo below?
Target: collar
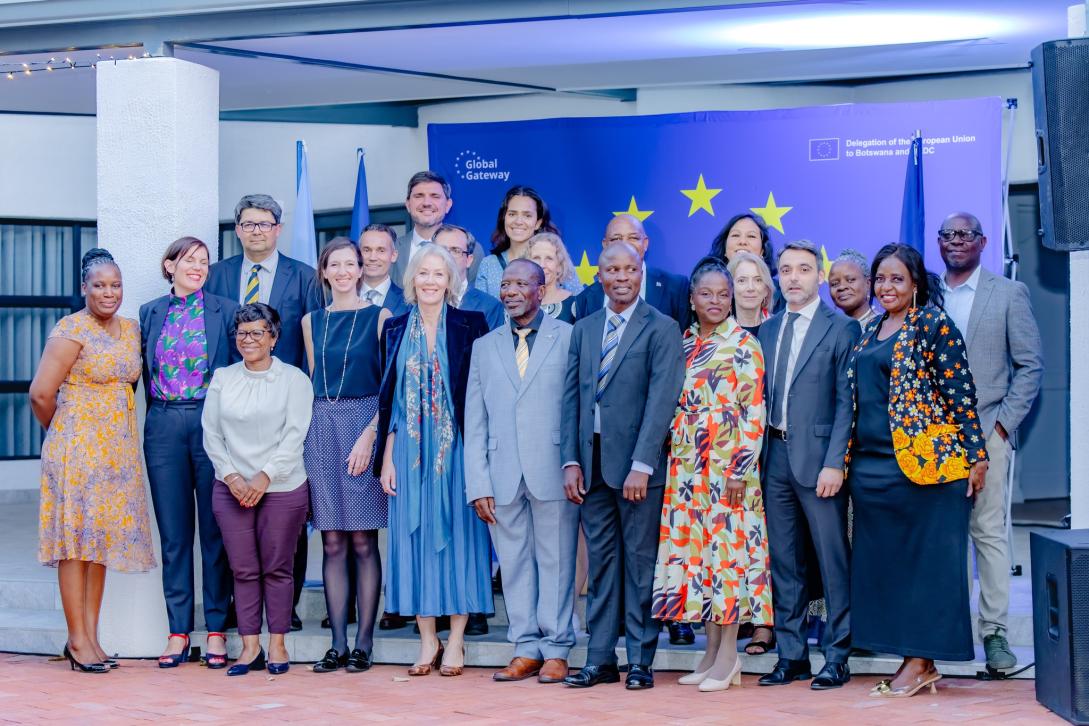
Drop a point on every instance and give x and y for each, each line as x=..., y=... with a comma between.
x=417, y=240
x=626, y=315
x=382, y=287
x=808, y=311
x=972, y=283
x=270, y=263
x=188, y=299
x=534, y=324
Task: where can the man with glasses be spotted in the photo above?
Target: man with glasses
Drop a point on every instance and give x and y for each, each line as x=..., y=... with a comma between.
x=459, y=242
x=663, y=291
x=994, y=315
x=262, y=274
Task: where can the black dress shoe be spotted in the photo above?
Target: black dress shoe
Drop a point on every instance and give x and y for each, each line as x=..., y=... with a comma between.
x=833, y=675
x=639, y=678
x=330, y=662
x=477, y=625
x=392, y=621
x=787, y=671
x=681, y=634
x=359, y=661
x=296, y=621
x=592, y=675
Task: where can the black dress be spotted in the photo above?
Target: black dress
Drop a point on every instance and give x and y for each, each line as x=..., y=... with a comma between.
x=909, y=582
x=563, y=310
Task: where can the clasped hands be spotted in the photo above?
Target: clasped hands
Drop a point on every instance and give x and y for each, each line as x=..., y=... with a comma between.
x=248, y=492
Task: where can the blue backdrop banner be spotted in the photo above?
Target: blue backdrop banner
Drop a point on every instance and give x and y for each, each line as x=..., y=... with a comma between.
x=831, y=174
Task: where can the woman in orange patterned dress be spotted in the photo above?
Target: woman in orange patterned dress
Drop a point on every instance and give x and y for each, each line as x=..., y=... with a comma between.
x=713, y=561
x=93, y=512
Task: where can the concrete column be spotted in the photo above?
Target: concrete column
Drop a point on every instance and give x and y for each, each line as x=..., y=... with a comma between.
x=158, y=179
x=1079, y=349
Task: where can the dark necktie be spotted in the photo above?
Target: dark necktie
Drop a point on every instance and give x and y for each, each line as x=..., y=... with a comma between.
x=782, y=360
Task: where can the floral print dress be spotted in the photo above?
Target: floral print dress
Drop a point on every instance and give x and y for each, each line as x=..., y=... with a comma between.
x=713, y=561
x=93, y=504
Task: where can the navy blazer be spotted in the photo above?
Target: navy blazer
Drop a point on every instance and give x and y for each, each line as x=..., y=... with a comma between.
x=482, y=302
x=463, y=327
x=218, y=319
x=294, y=294
x=395, y=300
x=667, y=293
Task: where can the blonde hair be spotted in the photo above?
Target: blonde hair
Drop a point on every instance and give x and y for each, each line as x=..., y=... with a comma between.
x=762, y=270
x=568, y=274
x=453, y=273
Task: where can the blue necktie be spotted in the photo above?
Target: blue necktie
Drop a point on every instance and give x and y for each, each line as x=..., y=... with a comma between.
x=608, y=352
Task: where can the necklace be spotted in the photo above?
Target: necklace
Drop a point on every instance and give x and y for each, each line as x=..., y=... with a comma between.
x=344, y=367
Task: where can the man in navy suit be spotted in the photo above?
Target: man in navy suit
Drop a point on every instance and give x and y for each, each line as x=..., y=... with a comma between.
x=459, y=242
x=379, y=254
x=263, y=274
x=665, y=292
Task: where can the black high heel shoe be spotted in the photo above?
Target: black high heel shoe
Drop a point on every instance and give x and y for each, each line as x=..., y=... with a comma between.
x=84, y=668
x=241, y=669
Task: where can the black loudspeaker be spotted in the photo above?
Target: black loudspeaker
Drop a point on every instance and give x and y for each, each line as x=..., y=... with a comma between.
x=1060, y=621
x=1060, y=92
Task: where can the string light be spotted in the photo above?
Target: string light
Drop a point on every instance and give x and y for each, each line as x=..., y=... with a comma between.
x=10, y=70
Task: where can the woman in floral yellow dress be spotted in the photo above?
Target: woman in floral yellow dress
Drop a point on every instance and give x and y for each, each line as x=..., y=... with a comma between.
x=712, y=555
x=93, y=512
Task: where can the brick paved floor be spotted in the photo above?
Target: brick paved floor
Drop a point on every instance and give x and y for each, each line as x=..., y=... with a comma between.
x=34, y=689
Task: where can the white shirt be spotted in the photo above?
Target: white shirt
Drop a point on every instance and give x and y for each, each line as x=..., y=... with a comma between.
x=959, y=299
x=642, y=288
x=415, y=244
x=265, y=277
x=257, y=421
x=381, y=288
x=801, y=327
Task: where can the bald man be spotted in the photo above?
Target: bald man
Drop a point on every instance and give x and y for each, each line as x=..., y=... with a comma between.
x=625, y=369
x=663, y=291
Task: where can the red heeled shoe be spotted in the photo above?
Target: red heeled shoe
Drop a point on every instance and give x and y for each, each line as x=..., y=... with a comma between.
x=215, y=661
x=173, y=661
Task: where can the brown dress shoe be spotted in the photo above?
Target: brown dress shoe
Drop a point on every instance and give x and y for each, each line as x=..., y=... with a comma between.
x=518, y=670
x=554, y=670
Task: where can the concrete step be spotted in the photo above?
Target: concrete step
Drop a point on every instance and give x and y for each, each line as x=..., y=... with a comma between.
x=44, y=632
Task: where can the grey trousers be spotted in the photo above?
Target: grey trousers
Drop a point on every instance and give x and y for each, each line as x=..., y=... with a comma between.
x=536, y=542
x=988, y=530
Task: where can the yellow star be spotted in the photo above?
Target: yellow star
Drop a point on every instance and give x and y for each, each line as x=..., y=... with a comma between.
x=586, y=271
x=826, y=262
x=772, y=214
x=701, y=197
x=634, y=210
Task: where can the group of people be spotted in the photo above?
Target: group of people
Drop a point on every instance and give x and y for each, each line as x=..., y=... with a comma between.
x=727, y=450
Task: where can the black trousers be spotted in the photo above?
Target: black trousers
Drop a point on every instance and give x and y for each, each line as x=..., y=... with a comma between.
x=182, y=479
x=622, y=541
x=795, y=514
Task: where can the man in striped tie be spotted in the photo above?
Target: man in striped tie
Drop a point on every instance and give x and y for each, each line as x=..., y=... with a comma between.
x=513, y=475
x=624, y=375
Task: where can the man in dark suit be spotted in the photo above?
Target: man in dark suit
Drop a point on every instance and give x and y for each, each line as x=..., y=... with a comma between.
x=376, y=244
x=663, y=291
x=263, y=274
x=459, y=242
x=624, y=375
x=806, y=347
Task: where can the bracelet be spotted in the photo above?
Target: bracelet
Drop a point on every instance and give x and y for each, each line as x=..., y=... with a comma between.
x=229, y=479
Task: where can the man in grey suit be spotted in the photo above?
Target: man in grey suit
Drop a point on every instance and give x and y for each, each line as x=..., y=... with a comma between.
x=428, y=201
x=806, y=347
x=514, y=476
x=1003, y=342
x=624, y=375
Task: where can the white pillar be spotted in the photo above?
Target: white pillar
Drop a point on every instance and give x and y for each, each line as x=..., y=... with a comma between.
x=158, y=179
x=1079, y=349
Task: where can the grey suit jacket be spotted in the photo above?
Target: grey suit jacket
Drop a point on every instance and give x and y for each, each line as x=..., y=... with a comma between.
x=820, y=409
x=1003, y=353
x=512, y=424
x=640, y=397
x=404, y=247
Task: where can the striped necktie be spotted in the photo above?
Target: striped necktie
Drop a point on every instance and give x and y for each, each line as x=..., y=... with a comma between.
x=608, y=352
x=253, y=287
x=521, y=353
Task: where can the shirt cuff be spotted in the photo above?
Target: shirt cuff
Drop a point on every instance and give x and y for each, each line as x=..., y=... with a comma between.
x=572, y=463
x=641, y=468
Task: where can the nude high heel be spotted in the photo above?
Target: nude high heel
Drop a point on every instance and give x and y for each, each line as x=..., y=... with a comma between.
x=710, y=685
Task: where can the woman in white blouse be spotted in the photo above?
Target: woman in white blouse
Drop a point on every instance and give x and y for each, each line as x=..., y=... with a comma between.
x=255, y=420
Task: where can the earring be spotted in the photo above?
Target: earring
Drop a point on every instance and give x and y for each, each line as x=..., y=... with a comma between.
x=914, y=292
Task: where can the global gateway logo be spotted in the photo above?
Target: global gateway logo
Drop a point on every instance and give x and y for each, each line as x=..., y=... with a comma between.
x=470, y=166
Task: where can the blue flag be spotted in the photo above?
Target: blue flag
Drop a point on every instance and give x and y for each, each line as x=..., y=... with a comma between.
x=361, y=213
x=304, y=241
x=912, y=214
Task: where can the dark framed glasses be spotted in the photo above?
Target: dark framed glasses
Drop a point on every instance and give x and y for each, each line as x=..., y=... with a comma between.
x=965, y=235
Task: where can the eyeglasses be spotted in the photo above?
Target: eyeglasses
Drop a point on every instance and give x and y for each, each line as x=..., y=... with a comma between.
x=966, y=235
x=251, y=226
x=633, y=238
x=457, y=252
x=255, y=335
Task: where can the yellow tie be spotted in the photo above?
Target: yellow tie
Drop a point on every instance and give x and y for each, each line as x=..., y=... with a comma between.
x=253, y=287
x=521, y=353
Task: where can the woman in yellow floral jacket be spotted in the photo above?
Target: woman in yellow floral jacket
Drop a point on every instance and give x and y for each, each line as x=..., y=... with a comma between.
x=916, y=458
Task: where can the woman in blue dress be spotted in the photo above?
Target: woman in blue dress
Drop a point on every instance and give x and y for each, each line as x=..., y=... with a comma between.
x=438, y=555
